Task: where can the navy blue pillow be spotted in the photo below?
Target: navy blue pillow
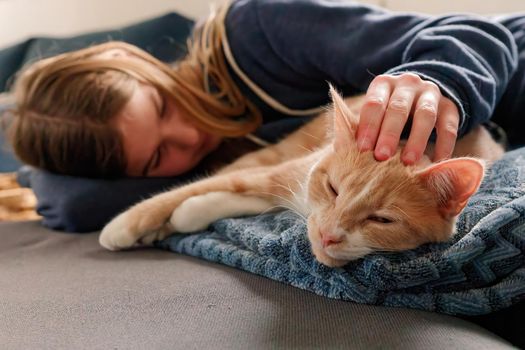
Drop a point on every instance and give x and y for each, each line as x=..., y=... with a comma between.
x=76, y=204
x=8, y=163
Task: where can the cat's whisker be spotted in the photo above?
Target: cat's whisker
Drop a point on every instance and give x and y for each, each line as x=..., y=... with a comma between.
x=312, y=136
x=287, y=188
x=308, y=150
x=290, y=189
x=299, y=199
x=384, y=250
x=269, y=209
x=300, y=183
x=401, y=210
x=397, y=188
x=292, y=192
x=294, y=210
x=281, y=186
x=293, y=206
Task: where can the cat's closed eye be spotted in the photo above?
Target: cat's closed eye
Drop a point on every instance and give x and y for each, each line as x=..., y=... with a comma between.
x=379, y=219
x=332, y=189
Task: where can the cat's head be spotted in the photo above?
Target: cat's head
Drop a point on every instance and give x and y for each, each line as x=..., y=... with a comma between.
x=359, y=205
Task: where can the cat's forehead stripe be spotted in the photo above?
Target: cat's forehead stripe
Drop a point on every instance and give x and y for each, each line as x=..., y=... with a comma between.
x=373, y=186
x=361, y=193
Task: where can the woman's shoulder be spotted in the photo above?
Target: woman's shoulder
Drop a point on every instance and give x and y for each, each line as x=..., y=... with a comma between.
x=272, y=10
x=275, y=25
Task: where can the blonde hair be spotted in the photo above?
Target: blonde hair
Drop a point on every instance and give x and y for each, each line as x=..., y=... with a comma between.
x=64, y=104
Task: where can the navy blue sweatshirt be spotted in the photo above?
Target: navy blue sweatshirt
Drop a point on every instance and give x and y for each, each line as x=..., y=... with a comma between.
x=290, y=49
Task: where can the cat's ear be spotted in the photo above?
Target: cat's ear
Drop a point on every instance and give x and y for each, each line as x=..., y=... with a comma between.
x=344, y=121
x=453, y=181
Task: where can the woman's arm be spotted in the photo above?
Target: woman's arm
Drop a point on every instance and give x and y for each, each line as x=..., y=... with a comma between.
x=291, y=48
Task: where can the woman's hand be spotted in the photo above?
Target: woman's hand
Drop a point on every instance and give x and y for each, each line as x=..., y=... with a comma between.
x=390, y=101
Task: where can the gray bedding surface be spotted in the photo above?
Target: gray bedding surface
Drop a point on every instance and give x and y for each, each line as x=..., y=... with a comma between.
x=63, y=291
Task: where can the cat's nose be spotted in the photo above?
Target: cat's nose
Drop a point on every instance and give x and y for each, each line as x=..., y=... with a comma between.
x=328, y=239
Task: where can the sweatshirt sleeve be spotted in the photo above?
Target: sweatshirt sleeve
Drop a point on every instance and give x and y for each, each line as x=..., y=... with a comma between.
x=290, y=49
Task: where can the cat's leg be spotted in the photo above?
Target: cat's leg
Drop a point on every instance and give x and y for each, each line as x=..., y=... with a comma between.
x=198, y=212
x=297, y=144
x=194, y=214
x=152, y=219
x=146, y=219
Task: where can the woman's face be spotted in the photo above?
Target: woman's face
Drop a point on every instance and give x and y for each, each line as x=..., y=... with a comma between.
x=158, y=139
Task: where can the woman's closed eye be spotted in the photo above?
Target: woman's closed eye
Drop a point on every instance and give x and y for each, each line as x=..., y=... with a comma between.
x=163, y=105
x=156, y=158
x=153, y=162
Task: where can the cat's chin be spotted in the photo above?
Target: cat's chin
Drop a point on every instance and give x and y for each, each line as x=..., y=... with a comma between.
x=327, y=256
x=325, y=259
x=317, y=249
x=328, y=260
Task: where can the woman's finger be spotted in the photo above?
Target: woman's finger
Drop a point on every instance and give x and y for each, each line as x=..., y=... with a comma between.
x=372, y=112
x=446, y=129
x=423, y=122
x=396, y=116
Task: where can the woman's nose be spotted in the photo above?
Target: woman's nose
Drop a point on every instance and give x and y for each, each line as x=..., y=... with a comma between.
x=182, y=133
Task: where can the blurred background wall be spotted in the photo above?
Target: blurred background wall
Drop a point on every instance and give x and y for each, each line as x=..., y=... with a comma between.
x=20, y=19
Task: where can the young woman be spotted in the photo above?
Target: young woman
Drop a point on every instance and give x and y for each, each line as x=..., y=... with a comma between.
x=113, y=110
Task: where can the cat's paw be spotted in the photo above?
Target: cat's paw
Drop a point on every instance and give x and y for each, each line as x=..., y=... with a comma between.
x=134, y=228
x=116, y=235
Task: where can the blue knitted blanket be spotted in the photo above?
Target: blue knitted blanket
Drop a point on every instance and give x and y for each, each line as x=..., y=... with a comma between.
x=480, y=270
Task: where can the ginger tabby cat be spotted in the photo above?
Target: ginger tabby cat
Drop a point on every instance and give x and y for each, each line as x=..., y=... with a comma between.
x=353, y=204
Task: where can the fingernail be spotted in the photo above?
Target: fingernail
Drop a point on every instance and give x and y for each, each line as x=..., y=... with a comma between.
x=364, y=144
x=409, y=157
x=384, y=152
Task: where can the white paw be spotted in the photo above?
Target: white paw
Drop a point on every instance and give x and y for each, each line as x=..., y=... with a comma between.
x=116, y=235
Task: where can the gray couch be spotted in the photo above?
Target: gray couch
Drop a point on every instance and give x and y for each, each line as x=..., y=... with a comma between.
x=63, y=291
